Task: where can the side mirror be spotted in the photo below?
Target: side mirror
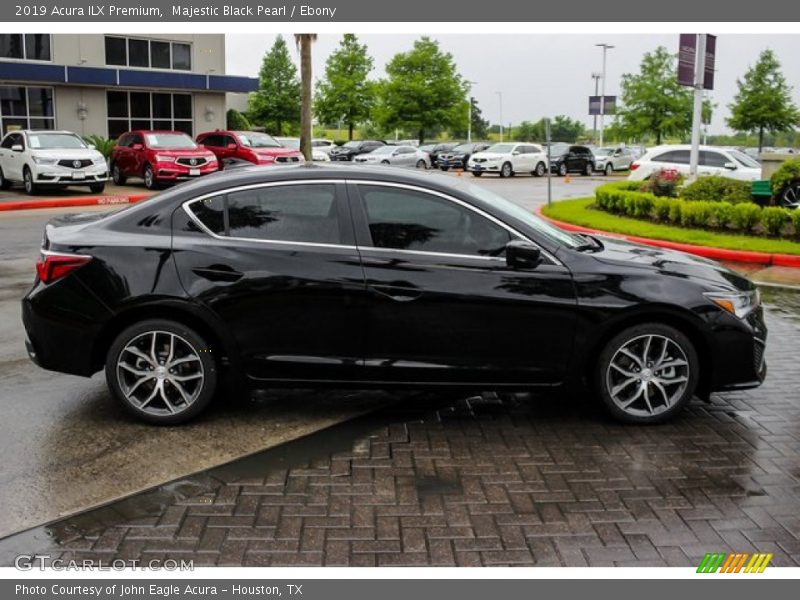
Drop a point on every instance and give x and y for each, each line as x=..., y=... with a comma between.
x=92, y=146
x=523, y=255
x=515, y=153
x=231, y=146
x=137, y=147
x=17, y=148
x=730, y=166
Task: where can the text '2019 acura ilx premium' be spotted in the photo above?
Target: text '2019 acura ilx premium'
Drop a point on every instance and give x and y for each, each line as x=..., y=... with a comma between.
x=310, y=275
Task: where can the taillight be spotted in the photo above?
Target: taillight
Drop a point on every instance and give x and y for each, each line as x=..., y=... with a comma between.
x=53, y=266
x=634, y=166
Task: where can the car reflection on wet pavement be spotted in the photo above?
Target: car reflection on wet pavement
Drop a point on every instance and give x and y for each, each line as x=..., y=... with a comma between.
x=485, y=480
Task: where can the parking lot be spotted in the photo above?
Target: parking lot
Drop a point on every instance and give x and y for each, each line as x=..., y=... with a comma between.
x=379, y=479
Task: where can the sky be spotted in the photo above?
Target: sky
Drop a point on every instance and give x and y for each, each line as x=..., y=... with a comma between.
x=543, y=75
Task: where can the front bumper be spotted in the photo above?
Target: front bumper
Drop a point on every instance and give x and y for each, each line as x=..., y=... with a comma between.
x=739, y=355
x=490, y=167
x=176, y=172
x=58, y=175
x=451, y=163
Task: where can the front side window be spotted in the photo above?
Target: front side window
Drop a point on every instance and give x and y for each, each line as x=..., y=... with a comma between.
x=712, y=159
x=404, y=219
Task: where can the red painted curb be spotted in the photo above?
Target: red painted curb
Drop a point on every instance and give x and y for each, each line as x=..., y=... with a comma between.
x=69, y=202
x=760, y=258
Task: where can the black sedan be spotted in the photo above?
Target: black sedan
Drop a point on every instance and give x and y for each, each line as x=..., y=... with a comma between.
x=435, y=150
x=571, y=159
x=351, y=149
x=335, y=275
x=457, y=157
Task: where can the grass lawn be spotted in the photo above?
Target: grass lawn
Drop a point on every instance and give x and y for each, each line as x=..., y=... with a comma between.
x=578, y=211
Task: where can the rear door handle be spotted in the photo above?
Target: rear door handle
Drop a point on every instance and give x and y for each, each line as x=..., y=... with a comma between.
x=218, y=273
x=398, y=294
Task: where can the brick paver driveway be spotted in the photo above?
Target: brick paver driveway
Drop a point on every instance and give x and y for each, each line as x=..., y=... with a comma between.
x=488, y=480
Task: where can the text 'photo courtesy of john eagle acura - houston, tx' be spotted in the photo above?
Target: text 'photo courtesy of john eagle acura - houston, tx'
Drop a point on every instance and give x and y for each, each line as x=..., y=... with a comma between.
x=335, y=275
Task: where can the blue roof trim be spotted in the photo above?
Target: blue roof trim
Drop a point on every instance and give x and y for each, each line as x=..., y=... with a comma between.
x=48, y=73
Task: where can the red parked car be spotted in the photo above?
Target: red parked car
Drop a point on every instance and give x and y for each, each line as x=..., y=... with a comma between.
x=252, y=146
x=159, y=157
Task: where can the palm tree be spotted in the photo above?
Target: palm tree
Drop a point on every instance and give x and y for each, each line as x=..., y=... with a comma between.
x=304, y=41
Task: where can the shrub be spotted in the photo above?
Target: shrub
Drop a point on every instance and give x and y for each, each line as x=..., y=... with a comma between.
x=788, y=172
x=723, y=213
x=675, y=210
x=236, y=121
x=661, y=208
x=664, y=183
x=717, y=189
x=696, y=214
x=774, y=219
x=103, y=145
x=746, y=216
x=795, y=217
x=643, y=205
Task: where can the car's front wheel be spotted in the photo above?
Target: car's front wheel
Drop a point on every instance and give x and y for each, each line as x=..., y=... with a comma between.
x=149, y=178
x=97, y=188
x=477, y=173
x=161, y=371
x=609, y=170
x=27, y=180
x=506, y=170
x=647, y=373
x=116, y=175
x=4, y=183
x=562, y=169
x=588, y=169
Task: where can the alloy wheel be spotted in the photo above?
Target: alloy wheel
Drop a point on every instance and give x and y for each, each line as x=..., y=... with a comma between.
x=647, y=375
x=160, y=373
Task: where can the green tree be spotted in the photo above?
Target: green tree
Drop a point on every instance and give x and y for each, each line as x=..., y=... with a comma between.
x=236, y=121
x=562, y=129
x=423, y=91
x=764, y=101
x=653, y=102
x=480, y=126
x=277, y=100
x=531, y=132
x=346, y=93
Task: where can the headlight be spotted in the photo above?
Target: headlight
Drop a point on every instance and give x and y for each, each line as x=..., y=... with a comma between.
x=166, y=159
x=740, y=304
x=39, y=160
x=99, y=161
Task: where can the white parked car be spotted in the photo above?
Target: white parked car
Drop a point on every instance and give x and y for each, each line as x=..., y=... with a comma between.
x=39, y=158
x=403, y=156
x=323, y=145
x=317, y=155
x=508, y=159
x=612, y=159
x=712, y=161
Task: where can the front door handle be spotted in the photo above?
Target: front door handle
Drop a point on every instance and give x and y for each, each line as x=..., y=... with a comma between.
x=218, y=273
x=398, y=294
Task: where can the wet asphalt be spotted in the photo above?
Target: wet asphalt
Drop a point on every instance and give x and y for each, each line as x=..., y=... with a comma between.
x=66, y=447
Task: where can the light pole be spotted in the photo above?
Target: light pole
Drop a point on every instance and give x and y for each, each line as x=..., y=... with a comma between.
x=606, y=48
x=500, y=95
x=469, y=109
x=596, y=76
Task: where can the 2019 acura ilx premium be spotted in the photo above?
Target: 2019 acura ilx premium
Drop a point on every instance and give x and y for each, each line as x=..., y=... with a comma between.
x=335, y=275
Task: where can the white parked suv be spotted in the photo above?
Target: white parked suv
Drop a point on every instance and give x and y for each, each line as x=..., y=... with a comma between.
x=508, y=159
x=712, y=161
x=39, y=158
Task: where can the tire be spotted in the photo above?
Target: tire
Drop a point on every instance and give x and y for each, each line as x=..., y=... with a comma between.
x=97, y=188
x=477, y=173
x=506, y=170
x=421, y=164
x=116, y=175
x=149, y=178
x=588, y=169
x=540, y=170
x=384, y=162
x=155, y=397
x=562, y=169
x=609, y=170
x=442, y=168
x=27, y=180
x=637, y=390
x=4, y=183
x=790, y=196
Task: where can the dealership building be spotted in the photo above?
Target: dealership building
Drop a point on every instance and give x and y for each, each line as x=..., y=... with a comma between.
x=108, y=84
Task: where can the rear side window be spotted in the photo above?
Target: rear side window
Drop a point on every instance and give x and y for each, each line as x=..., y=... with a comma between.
x=287, y=213
x=680, y=157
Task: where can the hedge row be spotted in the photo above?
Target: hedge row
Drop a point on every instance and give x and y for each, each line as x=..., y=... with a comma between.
x=745, y=217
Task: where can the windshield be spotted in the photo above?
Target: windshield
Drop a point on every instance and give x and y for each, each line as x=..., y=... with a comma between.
x=170, y=141
x=558, y=149
x=48, y=141
x=500, y=148
x=250, y=139
x=603, y=151
x=427, y=147
x=384, y=150
x=463, y=148
x=352, y=144
x=293, y=143
x=549, y=231
x=745, y=160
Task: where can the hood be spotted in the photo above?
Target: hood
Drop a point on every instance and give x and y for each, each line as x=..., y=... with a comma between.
x=68, y=153
x=343, y=150
x=669, y=262
x=180, y=152
x=487, y=155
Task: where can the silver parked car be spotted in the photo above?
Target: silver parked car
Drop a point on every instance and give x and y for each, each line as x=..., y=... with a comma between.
x=610, y=159
x=401, y=156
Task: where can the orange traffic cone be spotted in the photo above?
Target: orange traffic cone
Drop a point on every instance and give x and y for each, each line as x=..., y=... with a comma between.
x=567, y=179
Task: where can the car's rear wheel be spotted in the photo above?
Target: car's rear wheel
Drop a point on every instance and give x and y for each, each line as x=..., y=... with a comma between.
x=161, y=371
x=506, y=170
x=540, y=170
x=4, y=183
x=117, y=176
x=421, y=164
x=647, y=373
x=562, y=169
x=149, y=178
x=588, y=169
x=27, y=180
